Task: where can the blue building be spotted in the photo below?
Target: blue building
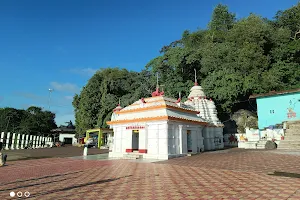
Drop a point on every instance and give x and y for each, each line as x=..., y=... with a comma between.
x=277, y=107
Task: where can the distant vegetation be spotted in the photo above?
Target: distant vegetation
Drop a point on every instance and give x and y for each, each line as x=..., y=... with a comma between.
x=233, y=58
x=32, y=121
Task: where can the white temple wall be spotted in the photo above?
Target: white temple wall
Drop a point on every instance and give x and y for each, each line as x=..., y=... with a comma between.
x=117, y=140
x=206, y=139
x=148, y=113
x=157, y=144
x=219, y=134
x=161, y=140
x=142, y=139
x=171, y=139
x=184, y=140
x=200, y=145
x=194, y=141
x=212, y=135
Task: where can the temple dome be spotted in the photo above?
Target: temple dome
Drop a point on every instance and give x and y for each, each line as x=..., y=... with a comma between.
x=196, y=91
x=206, y=107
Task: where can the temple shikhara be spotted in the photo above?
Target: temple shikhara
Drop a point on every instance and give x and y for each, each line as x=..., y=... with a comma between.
x=159, y=127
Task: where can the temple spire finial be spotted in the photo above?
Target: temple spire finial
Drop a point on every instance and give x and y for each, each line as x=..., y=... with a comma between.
x=157, y=93
x=179, y=95
x=196, y=83
x=119, y=102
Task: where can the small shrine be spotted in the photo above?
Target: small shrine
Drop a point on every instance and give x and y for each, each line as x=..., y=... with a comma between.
x=159, y=127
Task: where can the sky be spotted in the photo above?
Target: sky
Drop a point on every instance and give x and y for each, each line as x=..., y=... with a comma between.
x=59, y=44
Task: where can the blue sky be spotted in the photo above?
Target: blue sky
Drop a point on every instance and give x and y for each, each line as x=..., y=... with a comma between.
x=59, y=44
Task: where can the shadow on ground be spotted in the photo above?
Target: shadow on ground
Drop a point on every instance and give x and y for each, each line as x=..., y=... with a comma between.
x=285, y=174
x=81, y=185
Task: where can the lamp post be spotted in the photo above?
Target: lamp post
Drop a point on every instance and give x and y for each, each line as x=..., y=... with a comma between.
x=49, y=100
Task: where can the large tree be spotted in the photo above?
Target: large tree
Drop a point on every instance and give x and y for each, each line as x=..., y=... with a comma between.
x=233, y=59
x=34, y=120
x=94, y=105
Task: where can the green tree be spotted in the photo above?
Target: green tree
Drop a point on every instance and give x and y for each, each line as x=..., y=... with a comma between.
x=233, y=59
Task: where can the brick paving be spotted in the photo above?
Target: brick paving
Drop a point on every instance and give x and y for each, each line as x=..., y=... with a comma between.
x=234, y=174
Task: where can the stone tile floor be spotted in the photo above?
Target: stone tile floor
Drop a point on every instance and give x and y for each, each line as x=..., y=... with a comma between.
x=233, y=174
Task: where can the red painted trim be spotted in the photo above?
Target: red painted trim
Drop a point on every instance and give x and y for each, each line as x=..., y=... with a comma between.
x=142, y=150
x=129, y=150
x=190, y=150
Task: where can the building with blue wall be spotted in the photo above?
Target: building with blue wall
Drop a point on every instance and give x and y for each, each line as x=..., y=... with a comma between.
x=277, y=107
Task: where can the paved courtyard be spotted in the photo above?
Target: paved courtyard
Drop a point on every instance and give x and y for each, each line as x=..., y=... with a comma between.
x=229, y=174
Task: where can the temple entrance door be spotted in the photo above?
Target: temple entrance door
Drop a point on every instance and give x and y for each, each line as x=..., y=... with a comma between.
x=189, y=140
x=135, y=140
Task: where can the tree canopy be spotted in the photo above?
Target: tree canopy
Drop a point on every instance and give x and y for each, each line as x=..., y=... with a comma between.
x=233, y=59
x=33, y=120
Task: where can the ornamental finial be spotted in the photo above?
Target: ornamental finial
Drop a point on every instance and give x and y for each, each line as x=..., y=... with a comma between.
x=196, y=83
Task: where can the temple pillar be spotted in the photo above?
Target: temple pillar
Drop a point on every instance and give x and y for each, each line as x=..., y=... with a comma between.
x=194, y=141
x=12, y=147
x=180, y=139
x=200, y=146
x=184, y=140
x=212, y=137
x=208, y=138
x=142, y=142
x=118, y=140
x=7, y=141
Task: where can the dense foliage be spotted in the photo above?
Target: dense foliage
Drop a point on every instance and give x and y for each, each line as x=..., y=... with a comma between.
x=233, y=59
x=33, y=121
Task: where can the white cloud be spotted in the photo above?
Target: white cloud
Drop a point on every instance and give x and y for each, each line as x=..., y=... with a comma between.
x=85, y=71
x=67, y=87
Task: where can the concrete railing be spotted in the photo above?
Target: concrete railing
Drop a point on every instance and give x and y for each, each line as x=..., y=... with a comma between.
x=13, y=141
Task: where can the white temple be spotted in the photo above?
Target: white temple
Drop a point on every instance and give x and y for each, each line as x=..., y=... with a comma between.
x=161, y=128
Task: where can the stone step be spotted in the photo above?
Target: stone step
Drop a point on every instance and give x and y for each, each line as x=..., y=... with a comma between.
x=261, y=146
x=132, y=156
x=292, y=131
x=289, y=143
x=292, y=134
x=289, y=147
x=292, y=137
x=294, y=126
x=289, y=138
x=293, y=122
